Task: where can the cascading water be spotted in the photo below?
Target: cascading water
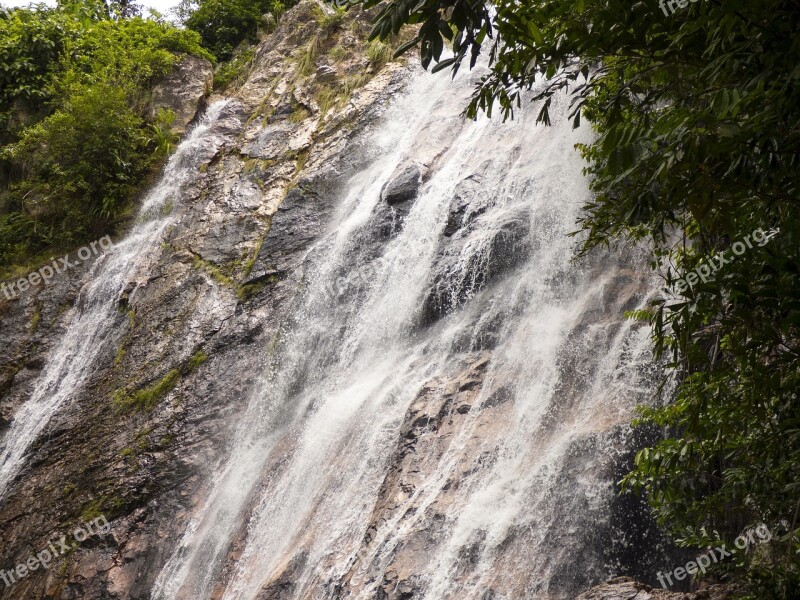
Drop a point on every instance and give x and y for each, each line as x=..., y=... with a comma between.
x=93, y=322
x=470, y=293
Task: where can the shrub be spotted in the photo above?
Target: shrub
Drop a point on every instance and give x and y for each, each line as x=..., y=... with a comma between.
x=78, y=139
x=84, y=160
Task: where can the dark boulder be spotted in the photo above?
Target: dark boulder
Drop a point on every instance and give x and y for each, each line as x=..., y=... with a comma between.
x=404, y=187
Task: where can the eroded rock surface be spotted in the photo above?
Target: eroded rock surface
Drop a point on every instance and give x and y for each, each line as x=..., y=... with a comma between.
x=183, y=91
x=200, y=319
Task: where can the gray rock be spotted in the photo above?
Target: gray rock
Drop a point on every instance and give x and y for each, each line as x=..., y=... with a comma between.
x=292, y=230
x=625, y=588
x=326, y=74
x=224, y=278
x=183, y=91
x=404, y=187
x=279, y=139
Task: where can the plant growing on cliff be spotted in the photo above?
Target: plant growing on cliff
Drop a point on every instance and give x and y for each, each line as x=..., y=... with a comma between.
x=697, y=116
x=148, y=397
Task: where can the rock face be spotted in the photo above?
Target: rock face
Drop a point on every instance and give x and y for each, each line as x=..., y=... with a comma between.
x=625, y=588
x=217, y=287
x=183, y=90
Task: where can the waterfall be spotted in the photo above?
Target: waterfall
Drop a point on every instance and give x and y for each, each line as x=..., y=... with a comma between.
x=463, y=310
x=94, y=322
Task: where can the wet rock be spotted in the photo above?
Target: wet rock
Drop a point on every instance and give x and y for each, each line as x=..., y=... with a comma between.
x=282, y=586
x=459, y=215
x=507, y=247
x=387, y=221
x=182, y=90
x=403, y=187
x=388, y=216
x=256, y=204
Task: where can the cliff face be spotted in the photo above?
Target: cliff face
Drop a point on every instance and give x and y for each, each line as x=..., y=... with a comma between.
x=195, y=318
x=490, y=441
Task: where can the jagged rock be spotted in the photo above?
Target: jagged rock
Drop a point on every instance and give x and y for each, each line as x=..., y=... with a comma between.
x=224, y=279
x=293, y=228
x=183, y=90
x=404, y=187
x=625, y=588
x=325, y=74
x=281, y=139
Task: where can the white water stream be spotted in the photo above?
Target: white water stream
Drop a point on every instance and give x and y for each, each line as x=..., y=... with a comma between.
x=506, y=500
x=94, y=322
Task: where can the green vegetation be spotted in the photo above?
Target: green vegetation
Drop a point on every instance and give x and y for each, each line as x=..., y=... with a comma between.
x=215, y=272
x=197, y=359
x=378, y=53
x=233, y=72
x=697, y=116
x=307, y=56
x=77, y=138
x=224, y=24
x=148, y=397
x=332, y=21
x=107, y=505
x=36, y=317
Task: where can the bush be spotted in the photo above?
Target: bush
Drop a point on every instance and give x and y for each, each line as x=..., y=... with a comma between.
x=233, y=71
x=18, y=237
x=85, y=159
x=30, y=45
x=79, y=140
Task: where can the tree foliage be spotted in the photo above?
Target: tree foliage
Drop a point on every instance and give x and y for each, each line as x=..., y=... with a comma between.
x=697, y=112
x=77, y=136
x=224, y=24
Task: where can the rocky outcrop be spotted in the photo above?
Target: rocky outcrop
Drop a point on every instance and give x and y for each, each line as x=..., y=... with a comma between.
x=625, y=588
x=437, y=421
x=403, y=187
x=183, y=91
x=198, y=325
x=507, y=248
